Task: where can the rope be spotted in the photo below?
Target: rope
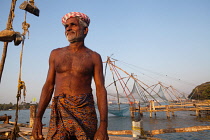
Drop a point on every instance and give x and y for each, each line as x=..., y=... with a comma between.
x=21, y=84
x=21, y=90
x=25, y=26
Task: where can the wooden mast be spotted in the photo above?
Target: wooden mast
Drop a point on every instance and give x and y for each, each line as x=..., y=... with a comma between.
x=8, y=27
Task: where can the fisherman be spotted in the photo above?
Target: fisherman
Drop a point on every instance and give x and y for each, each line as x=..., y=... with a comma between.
x=70, y=73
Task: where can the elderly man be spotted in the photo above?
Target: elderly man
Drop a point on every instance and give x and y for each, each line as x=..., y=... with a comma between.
x=71, y=70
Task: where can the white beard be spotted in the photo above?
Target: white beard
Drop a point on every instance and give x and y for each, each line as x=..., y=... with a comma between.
x=75, y=37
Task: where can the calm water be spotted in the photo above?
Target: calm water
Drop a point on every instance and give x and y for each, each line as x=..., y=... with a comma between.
x=181, y=119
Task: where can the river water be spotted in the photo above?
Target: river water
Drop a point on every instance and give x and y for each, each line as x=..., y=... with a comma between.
x=181, y=119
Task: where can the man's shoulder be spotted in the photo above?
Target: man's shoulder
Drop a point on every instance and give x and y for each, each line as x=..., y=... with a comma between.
x=93, y=53
x=96, y=57
x=57, y=50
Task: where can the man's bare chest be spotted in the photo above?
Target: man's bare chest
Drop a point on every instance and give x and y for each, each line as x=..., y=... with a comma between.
x=74, y=63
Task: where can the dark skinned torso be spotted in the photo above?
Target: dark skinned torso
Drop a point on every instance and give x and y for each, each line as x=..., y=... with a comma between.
x=74, y=71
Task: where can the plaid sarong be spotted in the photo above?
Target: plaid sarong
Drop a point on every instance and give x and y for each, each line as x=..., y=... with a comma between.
x=72, y=117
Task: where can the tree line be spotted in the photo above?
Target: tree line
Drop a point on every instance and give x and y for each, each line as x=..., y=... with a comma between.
x=12, y=106
x=201, y=92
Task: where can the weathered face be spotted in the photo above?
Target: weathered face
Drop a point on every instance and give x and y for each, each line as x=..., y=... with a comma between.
x=74, y=31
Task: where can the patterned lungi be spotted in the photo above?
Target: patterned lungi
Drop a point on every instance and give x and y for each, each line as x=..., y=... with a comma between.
x=72, y=117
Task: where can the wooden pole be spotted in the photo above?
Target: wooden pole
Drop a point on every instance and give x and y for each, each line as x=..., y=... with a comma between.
x=153, y=107
x=136, y=128
x=32, y=115
x=119, y=132
x=167, y=112
x=197, y=113
x=150, y=109
x=177, y=130
x=136, y=124
x=172, y=112
x=5, y=118
x=197, y=110
x=139, y=107
x=8, y=27
x=161, y=131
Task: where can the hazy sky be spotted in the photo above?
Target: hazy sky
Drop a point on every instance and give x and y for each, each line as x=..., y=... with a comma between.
x=157, y=40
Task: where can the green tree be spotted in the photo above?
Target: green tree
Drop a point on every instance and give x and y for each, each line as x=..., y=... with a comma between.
x=201, y=92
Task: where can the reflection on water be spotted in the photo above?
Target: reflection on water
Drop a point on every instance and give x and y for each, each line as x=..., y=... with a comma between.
x=181, y=119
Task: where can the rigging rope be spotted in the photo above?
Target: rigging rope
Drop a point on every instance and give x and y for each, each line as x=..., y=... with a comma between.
x=118, y=101
x=156, y=73
x=121, y=82
x=21, y=84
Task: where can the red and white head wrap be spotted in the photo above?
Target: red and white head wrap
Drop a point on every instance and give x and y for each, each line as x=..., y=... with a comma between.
x=82, y=16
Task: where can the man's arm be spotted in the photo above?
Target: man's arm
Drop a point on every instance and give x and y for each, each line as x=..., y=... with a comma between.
x=101, y=94
x=45, y=98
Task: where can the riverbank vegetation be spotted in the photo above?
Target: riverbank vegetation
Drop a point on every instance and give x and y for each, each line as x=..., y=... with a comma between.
x=201, y=92
x=12, y=106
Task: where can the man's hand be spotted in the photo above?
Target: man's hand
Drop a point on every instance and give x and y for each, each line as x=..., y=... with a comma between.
x=37, y=130
x=101, y=134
